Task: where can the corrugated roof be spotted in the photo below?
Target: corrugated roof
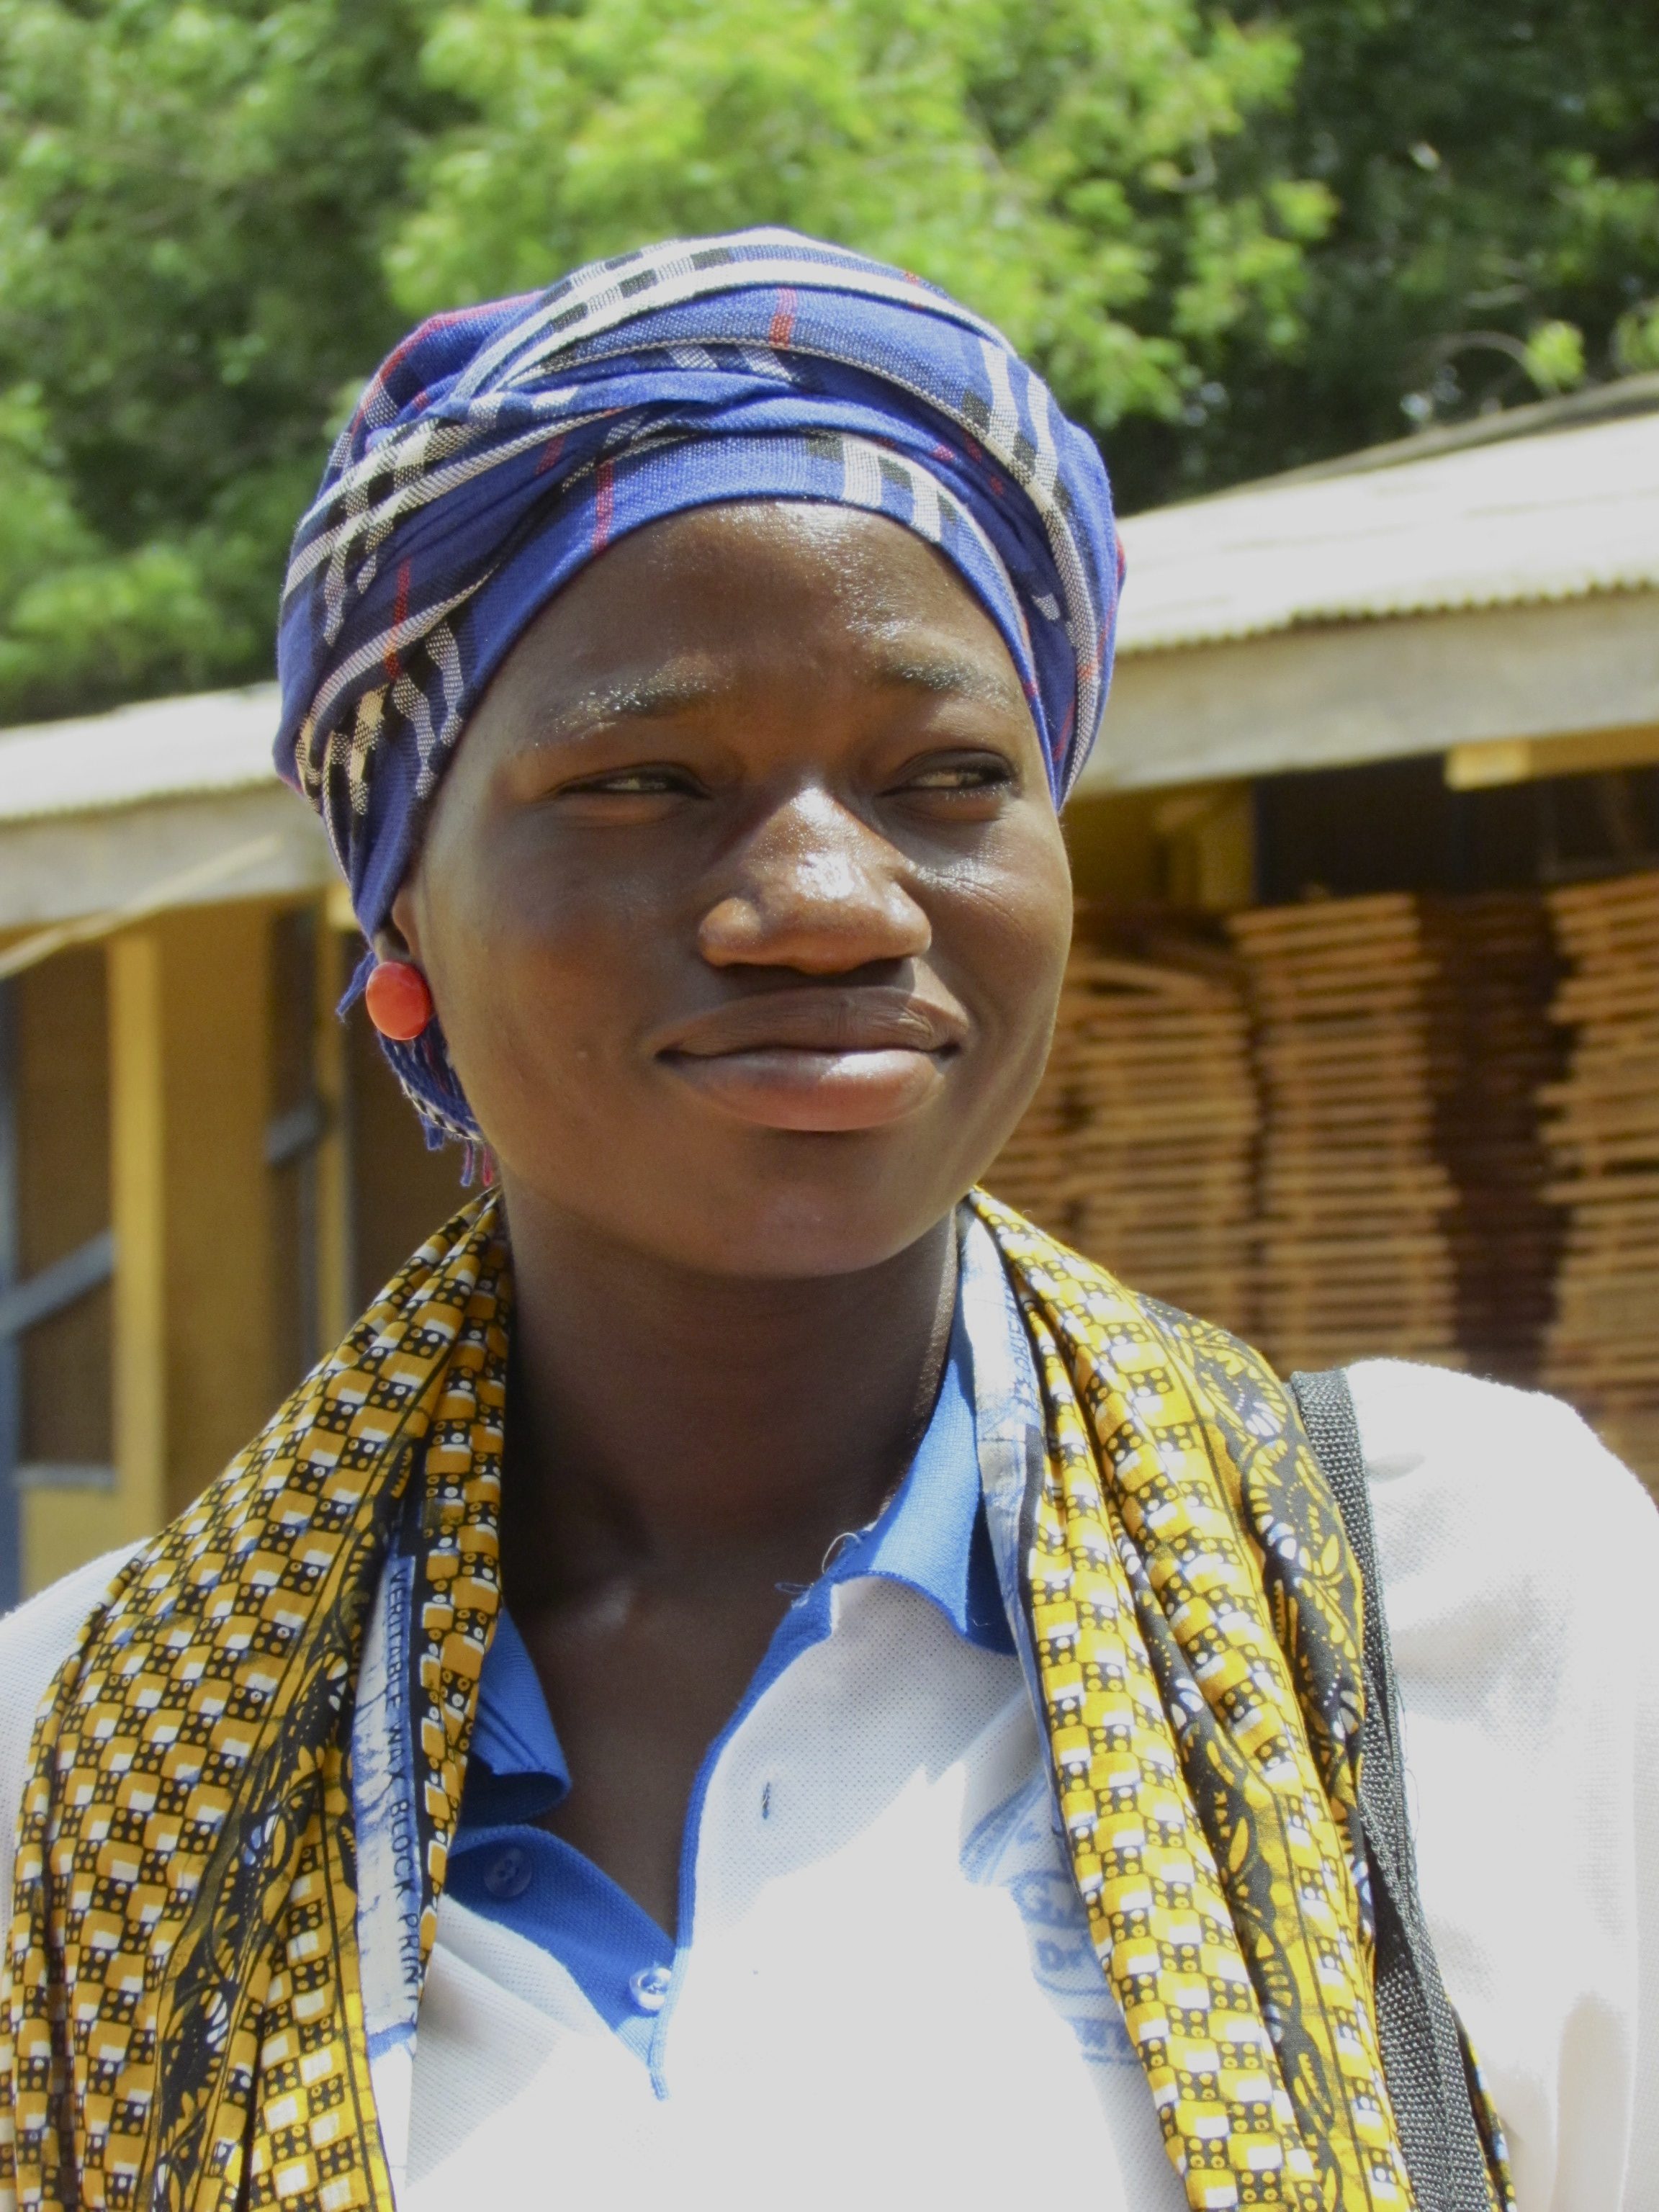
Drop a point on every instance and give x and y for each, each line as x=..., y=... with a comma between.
x=215, y=741
x=1554, y=516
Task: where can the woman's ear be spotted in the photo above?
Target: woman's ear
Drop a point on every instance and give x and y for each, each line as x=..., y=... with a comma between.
x=398, y=936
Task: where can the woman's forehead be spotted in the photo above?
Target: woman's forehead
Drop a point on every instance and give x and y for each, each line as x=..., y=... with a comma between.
x=692, y=607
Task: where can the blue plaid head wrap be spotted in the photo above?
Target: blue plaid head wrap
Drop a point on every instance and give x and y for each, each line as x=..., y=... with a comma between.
x=500, y=448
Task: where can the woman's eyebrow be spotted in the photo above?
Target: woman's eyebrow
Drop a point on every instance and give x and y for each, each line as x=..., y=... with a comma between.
x=948, y=675
x=641, y=699
x=666, y=692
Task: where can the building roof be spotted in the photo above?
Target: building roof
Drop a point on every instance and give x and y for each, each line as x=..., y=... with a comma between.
x=1559, y=505
x=1553, y=503
x=212, y=742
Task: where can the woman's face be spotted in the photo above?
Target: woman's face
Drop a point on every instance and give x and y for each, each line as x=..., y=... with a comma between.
x=744, y=903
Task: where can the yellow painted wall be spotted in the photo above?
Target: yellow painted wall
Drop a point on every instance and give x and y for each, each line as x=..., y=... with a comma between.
x=198, y=1104
x=190, y=1359
x=138, y=1089
x=1188, y=848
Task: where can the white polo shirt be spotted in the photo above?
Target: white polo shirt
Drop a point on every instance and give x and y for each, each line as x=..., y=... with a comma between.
x=883, y=1993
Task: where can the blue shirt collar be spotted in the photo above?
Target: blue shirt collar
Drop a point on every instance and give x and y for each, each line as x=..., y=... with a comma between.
x=932, y=1535
x=516, y=1770
x=932, y=1538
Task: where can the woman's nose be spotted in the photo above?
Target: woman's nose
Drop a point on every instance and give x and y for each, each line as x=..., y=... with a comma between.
x=815, y=889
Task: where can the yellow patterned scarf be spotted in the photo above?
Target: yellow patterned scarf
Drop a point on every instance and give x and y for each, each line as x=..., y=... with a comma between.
x=181, y=2020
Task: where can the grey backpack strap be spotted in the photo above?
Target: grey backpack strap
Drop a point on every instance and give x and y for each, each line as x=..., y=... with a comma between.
x=1424, y=2056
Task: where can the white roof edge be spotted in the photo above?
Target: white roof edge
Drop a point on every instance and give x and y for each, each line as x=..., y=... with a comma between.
x=134, y=714
x=1568, y=513
x=1142, y=646
x=207, y=743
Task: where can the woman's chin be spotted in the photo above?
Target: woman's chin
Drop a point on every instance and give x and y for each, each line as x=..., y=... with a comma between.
x=739, y=1199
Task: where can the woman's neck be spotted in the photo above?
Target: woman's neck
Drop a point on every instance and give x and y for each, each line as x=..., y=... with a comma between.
x=670, y=1422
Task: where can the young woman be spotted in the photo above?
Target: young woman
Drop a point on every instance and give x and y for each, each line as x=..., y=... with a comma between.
x=801, y=1690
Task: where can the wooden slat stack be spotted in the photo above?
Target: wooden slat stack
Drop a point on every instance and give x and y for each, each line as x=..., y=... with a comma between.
x=1498, y=964
x=1329, y=1143
x=1351, y=1049
x=1139, y=1149
x=1602, y=1128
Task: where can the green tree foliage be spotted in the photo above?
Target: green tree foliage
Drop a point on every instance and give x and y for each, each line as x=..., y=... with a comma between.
x=1234, y=239
x=1081, y=170
x=194, y=203
x=1495, y=167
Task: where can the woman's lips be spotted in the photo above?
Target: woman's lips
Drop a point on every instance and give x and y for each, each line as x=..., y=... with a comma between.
x=785, y=1088
x=819, y=1060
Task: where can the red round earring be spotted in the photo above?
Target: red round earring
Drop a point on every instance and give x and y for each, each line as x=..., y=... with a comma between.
x=398, y=1001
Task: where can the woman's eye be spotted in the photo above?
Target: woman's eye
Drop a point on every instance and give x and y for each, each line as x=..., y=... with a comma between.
x=981, y=774
x=633, y=783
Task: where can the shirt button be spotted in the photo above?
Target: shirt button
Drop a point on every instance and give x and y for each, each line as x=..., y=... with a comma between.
x=649, y=1987
x=508, y=1874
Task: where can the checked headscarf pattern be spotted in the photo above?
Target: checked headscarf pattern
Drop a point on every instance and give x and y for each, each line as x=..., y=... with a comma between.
x=501, y=448
x=182, y=2021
